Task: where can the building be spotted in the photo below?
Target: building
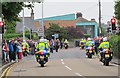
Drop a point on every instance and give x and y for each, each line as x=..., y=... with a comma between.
x=29, y=23
x=68, y=20
x=73, y=20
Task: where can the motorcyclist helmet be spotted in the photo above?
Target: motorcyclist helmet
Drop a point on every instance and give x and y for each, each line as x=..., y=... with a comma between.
x=89, y=39
x=105, y=39
x=82, y=39
x=42, y=40
x=24, y=41
x=45, y=40
x=65, y=39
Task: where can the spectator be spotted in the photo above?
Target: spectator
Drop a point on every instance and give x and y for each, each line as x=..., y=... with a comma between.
x=19, y=51
x=11, y=50
x=5, y=51
x=57, y=44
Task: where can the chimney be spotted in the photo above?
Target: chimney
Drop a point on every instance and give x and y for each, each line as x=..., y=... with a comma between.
x=32, y=13
x=79, y=14
x=93, y=20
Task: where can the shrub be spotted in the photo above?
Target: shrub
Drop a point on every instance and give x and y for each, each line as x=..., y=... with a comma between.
x=115, y=45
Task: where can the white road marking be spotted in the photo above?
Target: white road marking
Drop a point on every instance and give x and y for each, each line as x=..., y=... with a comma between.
x=63, y=63
x=68, y=67
x=61, y=59
x=78, y=74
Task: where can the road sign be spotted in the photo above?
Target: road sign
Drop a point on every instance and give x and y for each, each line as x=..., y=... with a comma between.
x=41, y=31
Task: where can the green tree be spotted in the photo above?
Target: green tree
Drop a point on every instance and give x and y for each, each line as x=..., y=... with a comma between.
x=117, y=10
x=10, y=11
x=55, y=29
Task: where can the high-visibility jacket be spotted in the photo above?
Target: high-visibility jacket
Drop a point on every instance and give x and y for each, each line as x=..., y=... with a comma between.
x=89, y=43
x=104, y=45
x=25, y=45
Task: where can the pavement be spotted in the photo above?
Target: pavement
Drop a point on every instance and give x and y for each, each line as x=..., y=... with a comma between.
x=115, y=61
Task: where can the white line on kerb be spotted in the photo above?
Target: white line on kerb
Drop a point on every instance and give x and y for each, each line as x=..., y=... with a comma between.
x=63, y=63
x=78, y=74
x=61, y=59
x=68, y=67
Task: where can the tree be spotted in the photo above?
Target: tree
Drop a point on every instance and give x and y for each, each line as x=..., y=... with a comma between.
x=10, y=11
x=55, y=29
x=117, y=10
x=74, y=32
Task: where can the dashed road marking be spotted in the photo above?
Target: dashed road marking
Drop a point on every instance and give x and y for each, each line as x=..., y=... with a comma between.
x=61, y=59
x=78, y=74
x=63, y=63
x=68, y=67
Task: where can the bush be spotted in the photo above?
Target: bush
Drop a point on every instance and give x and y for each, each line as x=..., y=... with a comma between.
x=115, y=45
x=15, y=35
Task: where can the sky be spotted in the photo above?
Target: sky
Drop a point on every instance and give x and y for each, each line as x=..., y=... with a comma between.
x=89, y=9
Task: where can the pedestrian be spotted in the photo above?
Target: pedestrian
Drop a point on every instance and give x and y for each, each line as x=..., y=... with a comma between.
x=11, y=50
x=5, y=51
x=15, y=50
x=19, y=51
x=57, y=44
x=51, y=45
x=96, y=45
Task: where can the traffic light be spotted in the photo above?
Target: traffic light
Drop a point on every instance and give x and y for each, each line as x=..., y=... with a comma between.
x=113, y=23
x=31, y=31
x=1, y=27
x=109, y=29
x=31, y=34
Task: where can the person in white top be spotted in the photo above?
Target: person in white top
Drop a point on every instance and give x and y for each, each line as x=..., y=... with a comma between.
x=19, y=51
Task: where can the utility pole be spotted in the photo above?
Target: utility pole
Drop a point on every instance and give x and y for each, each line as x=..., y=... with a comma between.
x=23, y=26
x=42, y=19
x=100, y=28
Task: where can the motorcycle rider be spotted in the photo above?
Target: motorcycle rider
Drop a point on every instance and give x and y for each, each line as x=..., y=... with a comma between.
x=82, y=41
x=89, y=43
x=47, y=48
x=25, y=45
x=41, y=47
x=104, y=45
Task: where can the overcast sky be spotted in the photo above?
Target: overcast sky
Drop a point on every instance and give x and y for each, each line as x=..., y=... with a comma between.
x=89, y=8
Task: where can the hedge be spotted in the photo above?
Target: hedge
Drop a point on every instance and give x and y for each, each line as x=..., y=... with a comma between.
x=15, y=35
x=115, y=45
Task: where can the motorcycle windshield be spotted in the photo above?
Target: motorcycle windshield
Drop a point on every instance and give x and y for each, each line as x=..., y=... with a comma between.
x=45, y=51
x=87, y=47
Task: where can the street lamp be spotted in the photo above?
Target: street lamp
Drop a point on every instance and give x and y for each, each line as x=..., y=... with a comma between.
x=23, y=26
x=42, y=19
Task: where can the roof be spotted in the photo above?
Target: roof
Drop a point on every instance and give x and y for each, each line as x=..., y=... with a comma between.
x=61, y=23
x=61, y=17
x=28, y=22
x=81, y=19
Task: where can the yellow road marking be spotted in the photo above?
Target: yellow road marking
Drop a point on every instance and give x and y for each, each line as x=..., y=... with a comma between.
x=3, y=73
x=8, y=72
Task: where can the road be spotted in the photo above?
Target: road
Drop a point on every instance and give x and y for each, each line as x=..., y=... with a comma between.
x=70, y=62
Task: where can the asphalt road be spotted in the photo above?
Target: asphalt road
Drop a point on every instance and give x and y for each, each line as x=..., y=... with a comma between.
x=70, y=62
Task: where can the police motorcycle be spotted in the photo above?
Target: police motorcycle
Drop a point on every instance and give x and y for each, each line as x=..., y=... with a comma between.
x=42, y=57
x=90, y=51
x=66, y=45
x=106, y=56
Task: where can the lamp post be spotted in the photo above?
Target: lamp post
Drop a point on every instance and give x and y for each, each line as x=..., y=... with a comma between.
x=23, y=26
x=100, y=28
x=42, y=19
